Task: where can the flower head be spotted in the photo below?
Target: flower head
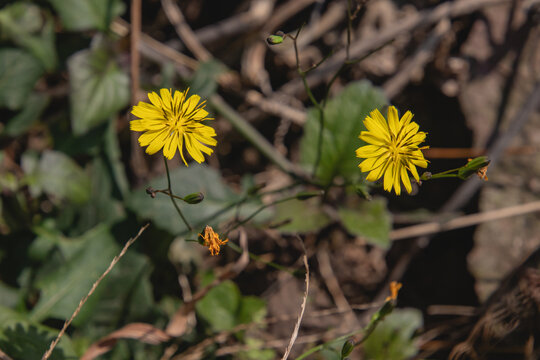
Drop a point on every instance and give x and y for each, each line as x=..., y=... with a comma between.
x=393, y=149
x=212, y=240
x=170, y=122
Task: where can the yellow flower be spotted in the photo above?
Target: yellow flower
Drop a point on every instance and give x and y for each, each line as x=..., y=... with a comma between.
x=212, y=240
x=170, y=122
x=393, y=149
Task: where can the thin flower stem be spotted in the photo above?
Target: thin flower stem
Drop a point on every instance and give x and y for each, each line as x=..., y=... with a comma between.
x=255, y=257
x=171, y=195
x=242, y=222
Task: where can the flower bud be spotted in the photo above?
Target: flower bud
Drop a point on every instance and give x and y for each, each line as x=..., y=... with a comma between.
x=194, y=198
x=477, y=166
x=274, y=39
x=347, y=348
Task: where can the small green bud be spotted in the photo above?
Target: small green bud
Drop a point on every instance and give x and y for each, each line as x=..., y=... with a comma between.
x=474, y=166
x=362, y=191
x=347, y=348
x=255, y=189
x=194, y=198
x=274, y=39
x=304, y=195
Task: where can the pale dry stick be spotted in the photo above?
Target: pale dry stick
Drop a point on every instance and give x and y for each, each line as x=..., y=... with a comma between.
x=327, y=273
x=177, y=19
x=259, y=11
x=154, y=49
x=275, y=107
x=418, y=60
x=94, y=286
x=464, y=221
x=303, y=307
x=363, y=46
x=134, y=51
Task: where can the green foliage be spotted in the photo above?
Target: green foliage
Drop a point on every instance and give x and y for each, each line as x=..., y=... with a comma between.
x=393, y=339
x=370, y=220
x=223, y=307
x=99, y=88
x=300, y=216
x=204, y=81
x=24, y=339
x=19, y=72
x=57, y=175
x=343, y=122
x=87, y=14
x=185, y=180
x=24, y=24
x=32, y=109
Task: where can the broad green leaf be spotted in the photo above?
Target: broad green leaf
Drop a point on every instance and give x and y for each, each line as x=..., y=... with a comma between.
x=343, y=122
x=220, y=305
x=63, y=286
x=9, y=296
x=30, y=113
x=393, y=339
x=186, y=180
x=57, y=175
x=300, y=216
x=21, y=338
x=26, y=26
x=204, y=81
x=99, y=88
x=369, y=220
x=87, y=14
x=19, y=72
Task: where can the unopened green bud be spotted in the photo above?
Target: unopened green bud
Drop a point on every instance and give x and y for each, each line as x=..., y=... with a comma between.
x=347, y=348
x=304, y=195
x=194, y=198
x=274, y=39
x=477, y=166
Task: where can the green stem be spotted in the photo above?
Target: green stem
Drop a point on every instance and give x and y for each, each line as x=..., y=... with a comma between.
x=254, y=257
x=171, y=195
x=240, y=223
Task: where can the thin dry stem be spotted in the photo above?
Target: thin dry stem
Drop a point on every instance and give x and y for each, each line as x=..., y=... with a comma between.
x=303, y=307
x=94, y=286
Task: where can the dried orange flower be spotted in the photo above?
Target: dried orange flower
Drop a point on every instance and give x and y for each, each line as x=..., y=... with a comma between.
x=482, y=173
x=212, y=240
x=394, y=289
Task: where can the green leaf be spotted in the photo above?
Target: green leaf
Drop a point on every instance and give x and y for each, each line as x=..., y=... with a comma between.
x=186, y=180
x=57, y=175
x=251, y=309
x=87, y=14
x=392, y=338
x=9, y=296
x=31, y=111
x=114, y=156
x=300, y=216
x=343, y=122
x=101, y=207
x=370, y=220
x=99, y=88
x=19, y=72
x=26, y=26
x=219, y=306
x=204, y=81
x=21, y=338
x=64, y=285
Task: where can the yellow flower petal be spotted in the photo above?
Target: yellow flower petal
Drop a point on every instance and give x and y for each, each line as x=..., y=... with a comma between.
x=173, y=121
x=393, y=149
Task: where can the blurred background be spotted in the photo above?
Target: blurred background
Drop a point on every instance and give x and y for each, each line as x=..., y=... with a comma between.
x=73, y=179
